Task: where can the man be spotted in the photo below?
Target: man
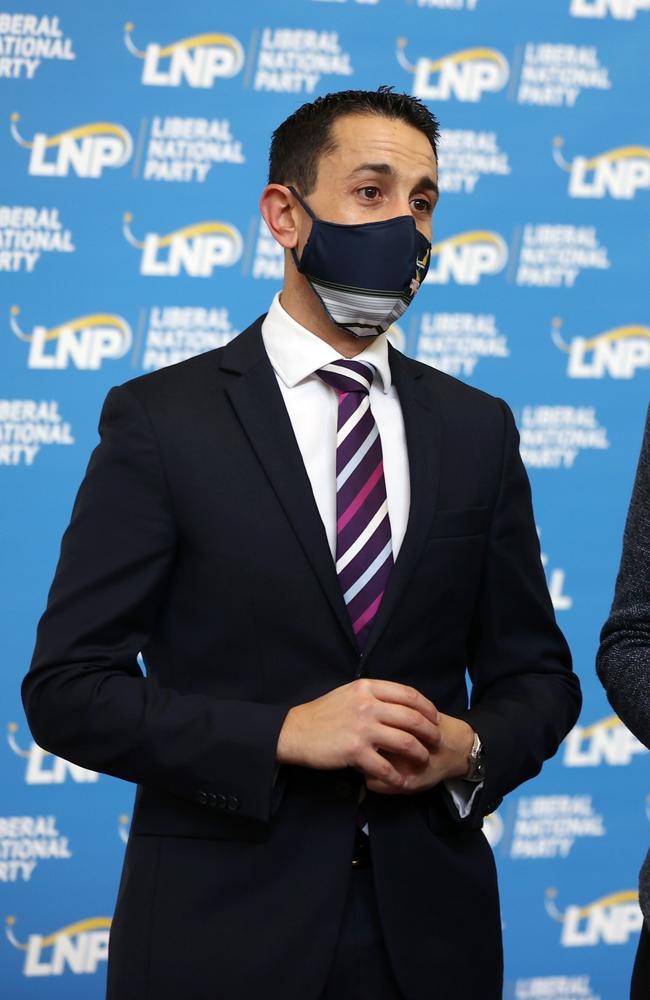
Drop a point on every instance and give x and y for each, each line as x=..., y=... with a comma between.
x=310, y=538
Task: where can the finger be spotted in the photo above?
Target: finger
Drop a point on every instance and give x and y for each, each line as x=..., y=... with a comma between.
x=411, y=721
x=374, y=766
x=373, y=785
x=402, y=694
x=397, y=741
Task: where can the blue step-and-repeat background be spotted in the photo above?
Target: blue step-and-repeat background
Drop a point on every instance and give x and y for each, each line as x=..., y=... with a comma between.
x=133, y=146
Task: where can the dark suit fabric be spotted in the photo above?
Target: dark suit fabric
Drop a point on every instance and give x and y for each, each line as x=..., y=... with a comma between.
x=195, y=538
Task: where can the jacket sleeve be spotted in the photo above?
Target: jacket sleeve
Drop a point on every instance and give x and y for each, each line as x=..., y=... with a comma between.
x=525, y=696
x=85, y=696
x=623, y=661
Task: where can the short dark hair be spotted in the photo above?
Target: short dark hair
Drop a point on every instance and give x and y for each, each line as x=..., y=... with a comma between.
x=300, y=141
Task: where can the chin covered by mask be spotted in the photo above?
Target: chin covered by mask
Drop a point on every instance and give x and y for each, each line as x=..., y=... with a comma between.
x=366, y=274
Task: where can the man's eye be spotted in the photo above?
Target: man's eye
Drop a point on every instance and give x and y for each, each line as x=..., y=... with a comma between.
x=369, y=192
x=421, y=205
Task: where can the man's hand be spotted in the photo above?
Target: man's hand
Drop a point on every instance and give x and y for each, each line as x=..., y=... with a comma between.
x=378, y=727
x=449, y=759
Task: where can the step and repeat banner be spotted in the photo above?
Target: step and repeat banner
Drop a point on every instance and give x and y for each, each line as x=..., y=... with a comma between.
x=133, y=148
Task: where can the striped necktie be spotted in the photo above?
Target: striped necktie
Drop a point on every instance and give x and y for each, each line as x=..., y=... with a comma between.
x=364, y=554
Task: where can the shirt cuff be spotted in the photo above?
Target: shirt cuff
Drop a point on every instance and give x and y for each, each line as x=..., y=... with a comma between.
x=463, y=793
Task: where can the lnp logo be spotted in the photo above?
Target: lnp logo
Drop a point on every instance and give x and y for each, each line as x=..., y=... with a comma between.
x=198, y=60
x=619, y=352
x=618, y=172
x=622, y=10
x=79, y=948
x=467, y=257
x=45, y=769
x=610, y=920
x=603, y=742
x=85, y=149
x=196, y=249
x=465, y=75
x=86, y=341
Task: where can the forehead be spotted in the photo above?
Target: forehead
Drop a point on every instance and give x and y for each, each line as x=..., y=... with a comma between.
x=359, y=138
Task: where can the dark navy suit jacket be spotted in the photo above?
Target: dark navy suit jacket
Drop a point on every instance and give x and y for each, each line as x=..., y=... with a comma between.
x=195, y=538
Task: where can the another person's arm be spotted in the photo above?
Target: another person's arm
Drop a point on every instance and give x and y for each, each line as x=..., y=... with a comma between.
x=623, y=661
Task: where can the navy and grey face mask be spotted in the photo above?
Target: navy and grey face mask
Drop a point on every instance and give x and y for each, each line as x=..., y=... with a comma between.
x=365, y=274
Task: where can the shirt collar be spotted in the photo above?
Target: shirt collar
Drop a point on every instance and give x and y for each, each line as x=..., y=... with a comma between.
x=295, y=353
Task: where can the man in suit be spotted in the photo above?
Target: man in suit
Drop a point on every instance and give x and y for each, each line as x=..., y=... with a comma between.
x=311, y=539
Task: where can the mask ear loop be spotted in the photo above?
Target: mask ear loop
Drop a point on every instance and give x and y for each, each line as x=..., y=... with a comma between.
x=302, y=202
x=309, y=212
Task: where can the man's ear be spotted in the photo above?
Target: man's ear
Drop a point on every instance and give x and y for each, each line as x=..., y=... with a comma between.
x=278, y=208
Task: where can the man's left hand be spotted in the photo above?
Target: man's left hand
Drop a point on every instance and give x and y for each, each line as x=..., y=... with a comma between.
x=448, y=760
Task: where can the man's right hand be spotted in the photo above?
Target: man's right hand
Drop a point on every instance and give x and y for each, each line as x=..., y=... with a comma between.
x=351, y=725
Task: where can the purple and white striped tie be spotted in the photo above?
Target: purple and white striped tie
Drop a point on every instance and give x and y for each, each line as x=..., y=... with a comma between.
x=364, y=553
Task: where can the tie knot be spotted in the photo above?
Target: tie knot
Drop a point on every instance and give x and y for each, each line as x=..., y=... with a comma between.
x=348, y=376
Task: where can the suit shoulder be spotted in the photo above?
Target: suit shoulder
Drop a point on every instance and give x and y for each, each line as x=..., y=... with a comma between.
x=189, y=377
x=191, y=371
x=453, y=392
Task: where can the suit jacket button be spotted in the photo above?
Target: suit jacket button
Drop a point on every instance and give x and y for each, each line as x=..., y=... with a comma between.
x=222, y=801
x=233, y=803
x=201, y=798
x=212, y=800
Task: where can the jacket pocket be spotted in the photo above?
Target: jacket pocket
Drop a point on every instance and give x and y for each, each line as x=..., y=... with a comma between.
x=161, y=815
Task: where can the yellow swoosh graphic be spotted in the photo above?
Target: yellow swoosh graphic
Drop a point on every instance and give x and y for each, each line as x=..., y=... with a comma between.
x=83, y=323
x=466, y=54
x=196, y=40
x=198, y=229
x=89, y=924
x=618, y=333
x=475, y=236
x=626, y=896
x=93, y=128
x=611, y=723
x=622, y=153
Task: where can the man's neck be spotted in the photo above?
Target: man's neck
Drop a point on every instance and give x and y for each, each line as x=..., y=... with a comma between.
x=300, y=302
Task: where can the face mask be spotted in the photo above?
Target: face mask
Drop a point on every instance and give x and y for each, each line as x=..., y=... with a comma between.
x=366, y=274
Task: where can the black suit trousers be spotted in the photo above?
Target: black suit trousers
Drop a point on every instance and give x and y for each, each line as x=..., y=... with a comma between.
x=361, y=967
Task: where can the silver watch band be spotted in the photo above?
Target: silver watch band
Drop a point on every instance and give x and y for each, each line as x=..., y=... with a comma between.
x=476, y=763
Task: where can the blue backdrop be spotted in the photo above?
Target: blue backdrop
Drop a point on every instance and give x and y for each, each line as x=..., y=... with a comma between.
x=132, y=152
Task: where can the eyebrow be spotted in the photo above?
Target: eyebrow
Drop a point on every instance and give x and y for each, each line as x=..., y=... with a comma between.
x=425, y=182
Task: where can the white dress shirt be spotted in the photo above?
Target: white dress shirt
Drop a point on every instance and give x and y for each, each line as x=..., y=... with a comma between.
x=295, y=355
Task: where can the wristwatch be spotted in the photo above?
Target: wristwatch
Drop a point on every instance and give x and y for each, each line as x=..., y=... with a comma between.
x=476, y=762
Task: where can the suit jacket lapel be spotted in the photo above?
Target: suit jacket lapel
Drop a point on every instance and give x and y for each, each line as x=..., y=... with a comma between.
x=257, y=401
x=423, y=427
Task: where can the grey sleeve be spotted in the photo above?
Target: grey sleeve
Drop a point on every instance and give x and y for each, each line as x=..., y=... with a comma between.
x=623, y=661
